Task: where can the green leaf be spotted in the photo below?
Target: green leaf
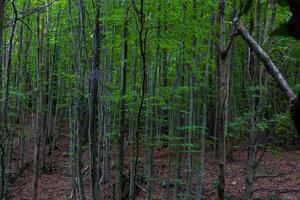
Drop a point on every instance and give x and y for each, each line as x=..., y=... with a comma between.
x=246, y=8
x=280, y=31
x=282, y=3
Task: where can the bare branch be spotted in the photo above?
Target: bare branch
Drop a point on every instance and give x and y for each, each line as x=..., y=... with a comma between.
x=31, y=12
x=264, y=151
x=292, y=170
x=137, y=11
x=232, y=37
x=266, y=60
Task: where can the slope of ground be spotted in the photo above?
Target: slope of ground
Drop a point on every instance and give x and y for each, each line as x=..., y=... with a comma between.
x=56, y=185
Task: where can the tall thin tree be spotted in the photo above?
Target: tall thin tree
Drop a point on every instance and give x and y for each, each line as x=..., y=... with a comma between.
x=93, y=100
x=122, y=112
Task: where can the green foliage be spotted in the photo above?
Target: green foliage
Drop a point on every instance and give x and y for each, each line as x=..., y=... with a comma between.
x=297, y=87
x=191, y=128
x=283, y=128
x=263, y=125
x=273, y=197
x=239, y=126
x=281, y=30
x=189, y=36
x=214, y=185
x=291, y=27
x=276, y=151
x=179, y=181
x=282, y=3
x=245, y=8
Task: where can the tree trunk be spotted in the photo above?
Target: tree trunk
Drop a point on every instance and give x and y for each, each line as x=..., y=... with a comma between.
x=132, y=184
x=39, y=113
x=2, y=14
x=93, y=100
x=252, y=139
x=5, y=105
x=222, y=101
x=122, y=126
x=77, y=137
x=204, y=124
x=266, y=60
x=142, y=38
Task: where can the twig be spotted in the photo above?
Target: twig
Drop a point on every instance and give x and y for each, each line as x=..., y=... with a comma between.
x=280, y=174
x=33, y=11
x=85, y=170
x=138, y=185
x=277, y=190
x=138, y=12
x=264, y=151
x=232, y=37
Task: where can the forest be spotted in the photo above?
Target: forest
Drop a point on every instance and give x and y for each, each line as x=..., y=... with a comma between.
x=149, y=99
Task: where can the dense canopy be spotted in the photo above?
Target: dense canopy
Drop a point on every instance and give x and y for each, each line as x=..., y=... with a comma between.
x=149, y=99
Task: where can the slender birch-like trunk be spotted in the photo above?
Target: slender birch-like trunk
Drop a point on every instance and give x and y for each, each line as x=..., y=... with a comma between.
x=222, y=100
x=122, y=113
x=39, y=113
x=77, y=137
x=93, y=101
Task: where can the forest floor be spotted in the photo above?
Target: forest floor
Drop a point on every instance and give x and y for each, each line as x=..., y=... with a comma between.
x=55, y=185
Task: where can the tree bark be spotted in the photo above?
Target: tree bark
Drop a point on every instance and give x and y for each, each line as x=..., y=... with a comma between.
x=93, y=100
x=77, y=110
x=201, y=174
x=39, y=113
x=222, y=100
x=122, y=126
x=266, y=60
x=142, y=39
x=2, y=14
x=5, y=104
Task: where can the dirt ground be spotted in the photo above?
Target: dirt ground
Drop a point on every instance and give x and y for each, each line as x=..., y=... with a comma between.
x=55, y=185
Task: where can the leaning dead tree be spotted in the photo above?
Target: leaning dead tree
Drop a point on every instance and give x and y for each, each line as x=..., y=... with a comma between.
x=266, y=60
x=282, y=85
x=273, y=71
